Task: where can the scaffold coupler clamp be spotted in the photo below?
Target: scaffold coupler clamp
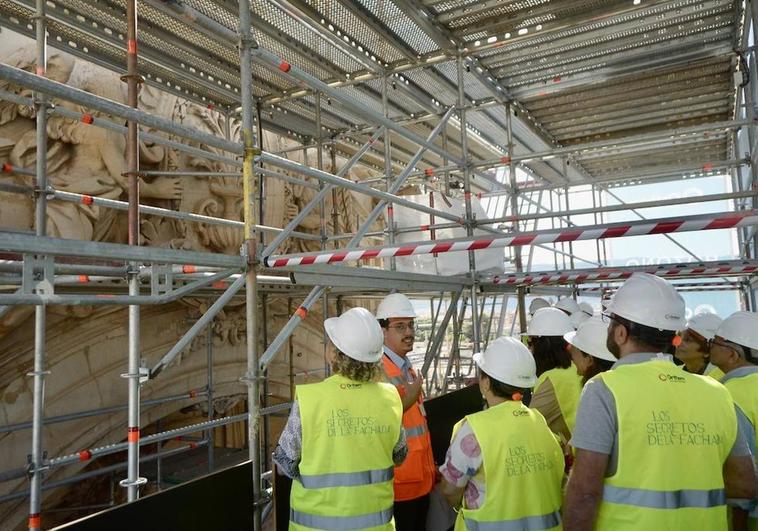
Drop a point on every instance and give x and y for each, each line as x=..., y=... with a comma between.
x=31, y=469
x=249, y=252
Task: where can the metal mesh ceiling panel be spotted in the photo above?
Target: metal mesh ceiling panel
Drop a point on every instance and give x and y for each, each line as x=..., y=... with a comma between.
x=585, y=70
x=340, y=16
x=393, y=17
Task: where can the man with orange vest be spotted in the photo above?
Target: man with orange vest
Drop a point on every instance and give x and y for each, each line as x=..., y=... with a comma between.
x=414, y=479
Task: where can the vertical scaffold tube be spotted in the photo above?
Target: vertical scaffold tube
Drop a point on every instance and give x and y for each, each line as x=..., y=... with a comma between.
x=40, y=323
x=246, y=46
x=466, y=169
x=132, y=79
x=515, y=212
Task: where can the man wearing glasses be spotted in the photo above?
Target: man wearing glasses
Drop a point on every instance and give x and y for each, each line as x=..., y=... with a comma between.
x=656, y=447
x=733, y=350
x=414, y=479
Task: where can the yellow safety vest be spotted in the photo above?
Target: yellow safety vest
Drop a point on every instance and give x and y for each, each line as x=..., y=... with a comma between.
x=714, y=372
x=744, y=391
x=675, y=431
x=349, y=431
x=522, y=469
x=568, y=386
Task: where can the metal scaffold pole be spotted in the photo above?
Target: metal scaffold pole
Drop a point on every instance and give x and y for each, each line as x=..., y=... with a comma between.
x=251, y=378
x=40, y=323
x=466, y=169
x=521, y=298
x=132, y=79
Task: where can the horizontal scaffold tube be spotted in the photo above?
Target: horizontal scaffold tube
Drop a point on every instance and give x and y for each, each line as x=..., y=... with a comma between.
x=609, y=274
x=723, y=220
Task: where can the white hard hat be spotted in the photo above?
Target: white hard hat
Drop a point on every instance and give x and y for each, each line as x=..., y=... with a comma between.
x=590, y=338
x=587, y=308
x=507, y=360
x=705, y=324
x=538, y=304
x=549, y=322
x=395, y=305
x=567, y=304
x=356, y=333
x=740, y=328
x=577, y=318
x=649, y=300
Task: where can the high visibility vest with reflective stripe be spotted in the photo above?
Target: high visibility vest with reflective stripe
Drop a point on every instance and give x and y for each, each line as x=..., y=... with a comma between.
x=415, y=477
x=568, y=386
x=744, y=391
x=349, y=431
x=523, y=471
x=668, y=421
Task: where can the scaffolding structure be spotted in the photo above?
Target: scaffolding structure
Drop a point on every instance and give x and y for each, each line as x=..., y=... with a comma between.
x=520, y=106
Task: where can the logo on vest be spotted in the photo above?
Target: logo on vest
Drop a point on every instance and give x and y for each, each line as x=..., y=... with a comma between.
x=342, y=424
x=520, y=462
x=350, y=386
x=520, y=413
x=671, y=378
x=664, y=430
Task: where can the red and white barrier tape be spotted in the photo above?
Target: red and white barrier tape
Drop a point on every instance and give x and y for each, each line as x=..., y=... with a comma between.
x=726, y=220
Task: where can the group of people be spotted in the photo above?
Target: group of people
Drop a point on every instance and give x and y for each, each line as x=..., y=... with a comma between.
x=589, y=423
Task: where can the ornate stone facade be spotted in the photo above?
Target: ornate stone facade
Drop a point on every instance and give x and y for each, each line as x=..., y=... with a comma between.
x=87, y=346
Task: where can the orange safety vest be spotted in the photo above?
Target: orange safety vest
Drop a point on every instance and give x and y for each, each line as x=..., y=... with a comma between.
x=415, y=477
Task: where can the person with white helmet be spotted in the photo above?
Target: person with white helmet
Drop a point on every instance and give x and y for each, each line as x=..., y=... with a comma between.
x=692, y=347
x=585, y=312
x=344, y=435
x=588, y=349
x=733, y=349
x=556, y=394
x=537, y=304
x=415, y=478
x=656, y=447
x=567, y=305
x=504, y=467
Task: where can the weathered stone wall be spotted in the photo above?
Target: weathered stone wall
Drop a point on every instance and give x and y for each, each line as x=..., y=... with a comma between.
x=87, y=346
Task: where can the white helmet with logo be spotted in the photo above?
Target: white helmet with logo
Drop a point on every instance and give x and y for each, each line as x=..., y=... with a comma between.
x=567, y=304
x=507, y=360
x=649, y=300
x=705, y=324
x=357, y=334
x=740, y=328
x=590, y=338
x=549, y=322
x=395, y=305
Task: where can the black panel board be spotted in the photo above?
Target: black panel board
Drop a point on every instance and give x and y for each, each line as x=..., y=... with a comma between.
x=222, y=500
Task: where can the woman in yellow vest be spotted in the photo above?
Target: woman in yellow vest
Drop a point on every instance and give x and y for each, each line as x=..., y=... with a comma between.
x=504, y=467
x=588, y=351
x=556, y=394
x=692, y=348
x=733, y=350
x=344, y=435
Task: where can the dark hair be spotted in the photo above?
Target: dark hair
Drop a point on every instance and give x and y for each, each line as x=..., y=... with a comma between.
x=748, y=353
x=550, y=352
x=598, y=366
x=501, y=389
x=384, y=323
x=359, y=371
x=654, y=339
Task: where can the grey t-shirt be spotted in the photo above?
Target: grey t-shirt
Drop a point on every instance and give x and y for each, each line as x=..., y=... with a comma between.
x=596, y=426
